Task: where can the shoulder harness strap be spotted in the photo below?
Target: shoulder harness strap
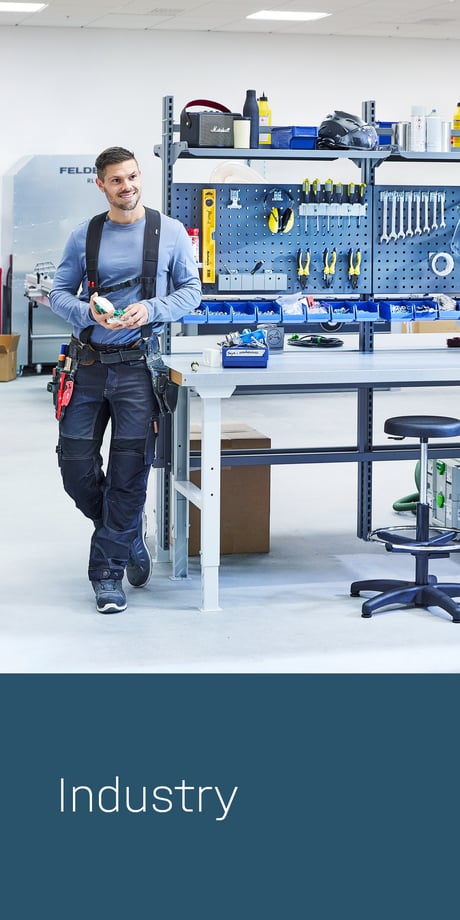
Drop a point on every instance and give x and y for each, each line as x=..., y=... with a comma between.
x=149, y=258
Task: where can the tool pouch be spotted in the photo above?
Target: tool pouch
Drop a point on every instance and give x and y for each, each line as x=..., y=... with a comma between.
x=164, y=390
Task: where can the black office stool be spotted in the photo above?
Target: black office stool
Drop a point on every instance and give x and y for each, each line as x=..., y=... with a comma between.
x=422, y=541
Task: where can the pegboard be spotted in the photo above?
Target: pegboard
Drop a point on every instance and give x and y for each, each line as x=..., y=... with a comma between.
x=243, y=239
x=415, y=263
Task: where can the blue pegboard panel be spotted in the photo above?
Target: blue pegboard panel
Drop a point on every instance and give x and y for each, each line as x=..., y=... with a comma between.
x=243, y=239
x=416, y=244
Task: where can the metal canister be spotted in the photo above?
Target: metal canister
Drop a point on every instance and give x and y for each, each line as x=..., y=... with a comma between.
x=400, y=134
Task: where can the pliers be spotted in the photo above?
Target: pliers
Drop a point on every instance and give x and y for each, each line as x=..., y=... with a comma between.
x=303, y=267
x=329, y=266
x=354, y=265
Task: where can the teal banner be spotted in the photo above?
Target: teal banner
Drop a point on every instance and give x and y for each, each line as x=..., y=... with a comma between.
x=228, y=797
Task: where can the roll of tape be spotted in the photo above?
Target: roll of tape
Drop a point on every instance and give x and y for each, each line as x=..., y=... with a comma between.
x=448, y=264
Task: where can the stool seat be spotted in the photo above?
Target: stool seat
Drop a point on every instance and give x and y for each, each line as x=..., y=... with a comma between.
x=422, y=541
x=422, y=426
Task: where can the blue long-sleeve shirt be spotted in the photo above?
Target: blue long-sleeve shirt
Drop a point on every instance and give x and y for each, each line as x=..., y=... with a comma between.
x=178, y=288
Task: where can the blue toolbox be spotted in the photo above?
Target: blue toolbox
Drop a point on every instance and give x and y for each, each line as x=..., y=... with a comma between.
x=245, y=355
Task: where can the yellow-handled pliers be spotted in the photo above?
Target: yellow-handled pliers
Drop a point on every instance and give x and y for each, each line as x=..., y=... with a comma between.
x=329, y=266
x=354, y=266
x=303, y=267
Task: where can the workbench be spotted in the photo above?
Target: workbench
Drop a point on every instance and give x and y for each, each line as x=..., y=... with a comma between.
x=399, y=361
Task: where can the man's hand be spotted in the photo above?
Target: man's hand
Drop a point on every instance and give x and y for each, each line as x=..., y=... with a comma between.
x=98, y=317
x=135, y=315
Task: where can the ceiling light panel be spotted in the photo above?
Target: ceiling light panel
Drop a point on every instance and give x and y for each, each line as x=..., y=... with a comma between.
x=288, y=15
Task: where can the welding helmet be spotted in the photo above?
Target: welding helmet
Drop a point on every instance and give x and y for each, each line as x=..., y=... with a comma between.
x=343, y=131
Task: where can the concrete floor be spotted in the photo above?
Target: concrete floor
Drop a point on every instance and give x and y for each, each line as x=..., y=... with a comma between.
x=283, y=612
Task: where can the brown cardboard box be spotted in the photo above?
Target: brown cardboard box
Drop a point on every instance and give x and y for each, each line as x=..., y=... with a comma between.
x=436, y=325
x=8, y=355
x=245, y=495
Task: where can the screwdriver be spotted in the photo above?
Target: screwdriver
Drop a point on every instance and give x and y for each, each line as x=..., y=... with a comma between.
x=306, y=198
x=361, y=196
x=351, y=198
x=328, y=186
x=338, y=197
x=316, y=188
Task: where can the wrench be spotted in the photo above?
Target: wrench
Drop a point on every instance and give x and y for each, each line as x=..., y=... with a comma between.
x=417, y=230
x=401, y=233
x=434, y=202
x=384, y=197
x=392, y=235
x=409, y=231
x=426, y=226
x=442, y=201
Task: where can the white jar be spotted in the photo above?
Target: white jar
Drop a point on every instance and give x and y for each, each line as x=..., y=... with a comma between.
x=418, y=129
x=433, y=132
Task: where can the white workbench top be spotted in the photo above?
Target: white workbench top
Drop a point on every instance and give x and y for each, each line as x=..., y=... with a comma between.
x=397, y=359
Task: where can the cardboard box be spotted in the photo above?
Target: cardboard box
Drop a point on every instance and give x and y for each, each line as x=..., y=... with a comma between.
x=437, y=325
x=8, y=355
x=245, y=495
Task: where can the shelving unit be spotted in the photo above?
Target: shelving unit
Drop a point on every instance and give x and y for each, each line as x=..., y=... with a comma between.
x=170, y=150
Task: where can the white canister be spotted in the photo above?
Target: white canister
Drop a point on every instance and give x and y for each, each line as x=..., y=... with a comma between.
x=418, y=129
x=433, y=132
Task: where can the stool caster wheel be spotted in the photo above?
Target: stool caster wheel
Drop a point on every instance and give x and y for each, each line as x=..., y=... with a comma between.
x=366, y=616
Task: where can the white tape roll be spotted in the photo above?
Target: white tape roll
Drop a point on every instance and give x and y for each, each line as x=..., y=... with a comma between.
x=448, y=264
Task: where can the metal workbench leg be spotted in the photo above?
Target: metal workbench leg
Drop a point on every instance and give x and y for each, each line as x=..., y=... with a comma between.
x=365, y=436
x=210, y=502
x=181, y=468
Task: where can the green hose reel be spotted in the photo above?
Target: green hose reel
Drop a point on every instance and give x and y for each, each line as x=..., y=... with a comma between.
x=410, y=502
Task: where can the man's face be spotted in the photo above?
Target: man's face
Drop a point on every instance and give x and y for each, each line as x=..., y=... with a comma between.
x=122, y=185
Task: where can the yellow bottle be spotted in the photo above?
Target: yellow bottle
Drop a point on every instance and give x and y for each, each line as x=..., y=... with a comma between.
x=456, y=126
x=265, y=118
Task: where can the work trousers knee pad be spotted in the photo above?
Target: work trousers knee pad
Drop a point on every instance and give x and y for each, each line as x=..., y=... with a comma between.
x=80, y=463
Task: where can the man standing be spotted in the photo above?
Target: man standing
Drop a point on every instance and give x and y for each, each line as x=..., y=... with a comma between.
x=112, y=381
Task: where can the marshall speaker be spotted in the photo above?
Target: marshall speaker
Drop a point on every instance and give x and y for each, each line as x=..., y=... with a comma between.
x=208, y=128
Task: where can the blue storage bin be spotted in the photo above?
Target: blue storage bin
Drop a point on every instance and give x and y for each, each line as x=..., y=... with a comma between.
x=220, y=311
x=295, y=315
x=294, y=137
x=425, y=310
x=366, y=310
x=318, y=312
x=267, y=311
x=450, y=314
x=245, y=356
x=244, y=311
x=396, y=311
x=342, y=311
x=199, y=316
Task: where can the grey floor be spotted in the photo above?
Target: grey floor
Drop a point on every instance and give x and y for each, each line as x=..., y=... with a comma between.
x=283, y=612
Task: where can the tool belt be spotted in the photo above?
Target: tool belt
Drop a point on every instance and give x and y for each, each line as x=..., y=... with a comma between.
x=86, y=354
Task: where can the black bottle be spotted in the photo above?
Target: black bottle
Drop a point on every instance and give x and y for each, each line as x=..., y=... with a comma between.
x=251, y=110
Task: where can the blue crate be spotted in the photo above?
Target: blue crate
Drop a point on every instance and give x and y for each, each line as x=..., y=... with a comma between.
x=396, y=311
x=295, y=315
x=426, y=310
x=318, y=312
x=220, y=311
x=294, y=137
x=450, y=314
x=367, y=310
x=267, y=311
x=244, y=311
x=200, y=316
x=245, y=356
x=342, y=311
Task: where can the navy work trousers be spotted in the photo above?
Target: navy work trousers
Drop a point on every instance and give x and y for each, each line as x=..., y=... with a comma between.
x=122, y=395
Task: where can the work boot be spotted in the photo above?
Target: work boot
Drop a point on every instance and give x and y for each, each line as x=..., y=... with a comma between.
x=110, y=597
x=139, y=565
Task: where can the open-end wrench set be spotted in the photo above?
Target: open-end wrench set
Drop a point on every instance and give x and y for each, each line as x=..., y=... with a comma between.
x=416, y=245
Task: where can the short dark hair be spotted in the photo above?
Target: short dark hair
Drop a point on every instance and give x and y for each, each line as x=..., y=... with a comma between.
x=112, y=155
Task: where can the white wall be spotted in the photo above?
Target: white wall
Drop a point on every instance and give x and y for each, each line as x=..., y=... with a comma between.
x=77, y=91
